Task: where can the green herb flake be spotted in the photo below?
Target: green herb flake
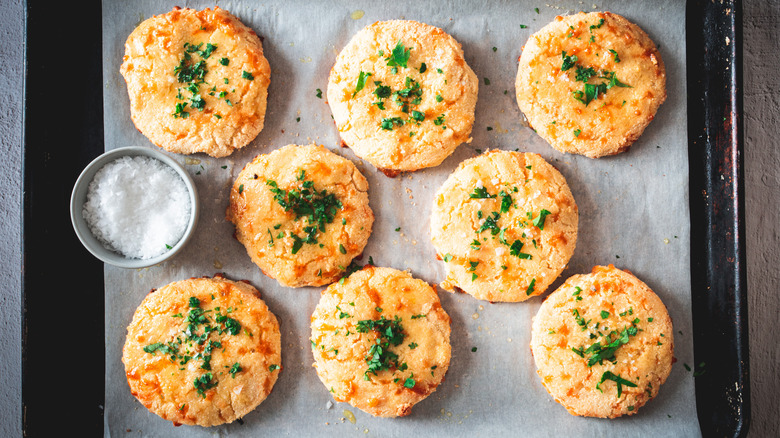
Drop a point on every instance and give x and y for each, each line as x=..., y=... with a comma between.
x=246, y=75
x=274, y=367
x=361, y=82
x=319, y=93
x=568, y=61
x=608, y=375
x=616, y=58
x=224, y=61
x=204, y=383
x=577, y=132
x=399, y=56
x=530, y=288
x=539, y=221
x=447, y=257
x=235, y=369
x=604, y=314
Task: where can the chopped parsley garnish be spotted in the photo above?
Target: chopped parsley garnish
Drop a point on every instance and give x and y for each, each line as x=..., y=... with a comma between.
x=319, y=93
x=480, y=193
x=617, y=58
x=583, y=74
x=597, y=26
x=361, y=82
x=423, y=67
x=274, y=367
x=577, y=132
x=246, y=75
x=530, y=288
x=318, y=207
x=506, y=201
x=608, y=375
x=604, y=314
x=204, y=383
x=235, y=369
x=568, y=61
x=412, y=346
x=388, y=333
x=539, y=221
x=409, y=383
x=439, y=120
x=399, y=56
x=224, y=61
x=447, y=257
x=387, y=123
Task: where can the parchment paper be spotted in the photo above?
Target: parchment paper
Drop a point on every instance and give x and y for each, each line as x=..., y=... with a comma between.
x=633, y=213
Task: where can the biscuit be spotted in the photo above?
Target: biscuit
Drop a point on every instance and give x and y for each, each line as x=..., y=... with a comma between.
x=402, y=95
x=381, y=341
x=203, y=351
x=603, y=343
x=302, y=213
x=197, y=81
x=590, y=83
x=505, y=224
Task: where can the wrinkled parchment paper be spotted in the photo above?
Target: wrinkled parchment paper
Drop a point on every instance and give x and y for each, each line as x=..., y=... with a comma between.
x=633, y=213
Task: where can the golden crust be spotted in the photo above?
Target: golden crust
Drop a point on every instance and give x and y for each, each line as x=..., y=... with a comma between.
x=157, y=46
x=167, y=387
x=482, y=263
x=410, y=146
x=260, y=220
x=611, y=123
x=340, y=350
x=645, y=360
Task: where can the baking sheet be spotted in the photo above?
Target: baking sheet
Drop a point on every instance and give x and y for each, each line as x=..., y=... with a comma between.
x=633, y=213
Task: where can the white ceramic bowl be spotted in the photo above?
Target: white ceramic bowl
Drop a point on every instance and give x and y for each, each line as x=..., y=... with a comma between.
x=79, y=197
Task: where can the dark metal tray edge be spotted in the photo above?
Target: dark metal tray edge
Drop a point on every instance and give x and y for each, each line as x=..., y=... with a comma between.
x=62, y=284
x=718, y=265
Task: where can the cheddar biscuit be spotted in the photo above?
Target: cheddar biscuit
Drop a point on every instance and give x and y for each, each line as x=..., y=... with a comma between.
x=402, y=95
x=197, y=81
x=590, y=83
x=505, y=225
x=302, y=213
x=381, y=341
x=203, y=351
x=603, y=343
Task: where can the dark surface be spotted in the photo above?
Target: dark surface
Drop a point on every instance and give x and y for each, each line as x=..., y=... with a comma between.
x=62, y=284
x=718, y=268
x=62, y=302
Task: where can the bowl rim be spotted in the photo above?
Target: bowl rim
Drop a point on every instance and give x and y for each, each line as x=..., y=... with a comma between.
x=79, y=195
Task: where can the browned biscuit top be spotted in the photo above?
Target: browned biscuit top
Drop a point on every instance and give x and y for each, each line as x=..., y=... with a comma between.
x=590, y=83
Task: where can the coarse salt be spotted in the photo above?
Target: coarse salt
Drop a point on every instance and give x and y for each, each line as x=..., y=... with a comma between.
x=137, y=206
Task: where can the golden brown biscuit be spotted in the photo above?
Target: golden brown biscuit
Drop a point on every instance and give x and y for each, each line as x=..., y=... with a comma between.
x=302, y=213
x=381, y=341
x=402, y=95
x=589, y=84
x=603, y=343
x=197, y=80
x=505, y=224
x=203, y=351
